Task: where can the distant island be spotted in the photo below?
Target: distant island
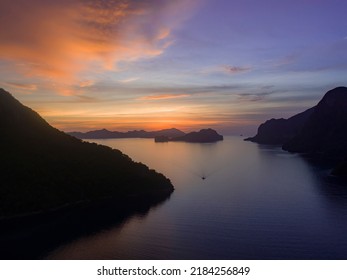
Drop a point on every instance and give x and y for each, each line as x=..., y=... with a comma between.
x=320, y=131
x=203, y=136
x=106, y=134
x=42, y=168
x=164, y=135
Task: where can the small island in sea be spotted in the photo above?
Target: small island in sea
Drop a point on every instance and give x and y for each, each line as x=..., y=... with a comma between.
x=43, y=169
x=203, y=136
x=319, y=132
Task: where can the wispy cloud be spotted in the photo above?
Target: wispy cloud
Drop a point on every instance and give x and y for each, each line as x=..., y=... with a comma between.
x=236, y=69
x=226, y=69
x=86, y=99
x=286, y=60
x=163, y=96
x=86, y=83
x=253, y=97
x=21, y=86
x=198, y=89
x=129, y=80
x=58, y=40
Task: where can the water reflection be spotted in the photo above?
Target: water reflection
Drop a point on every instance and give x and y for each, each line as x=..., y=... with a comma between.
x=260, y=203
x=34, y=237
x=332, y=190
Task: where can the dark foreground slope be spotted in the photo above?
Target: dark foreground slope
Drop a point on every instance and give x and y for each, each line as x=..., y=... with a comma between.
x=43, y=168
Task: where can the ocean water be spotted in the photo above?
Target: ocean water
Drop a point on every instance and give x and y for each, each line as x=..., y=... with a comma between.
x=256, y=202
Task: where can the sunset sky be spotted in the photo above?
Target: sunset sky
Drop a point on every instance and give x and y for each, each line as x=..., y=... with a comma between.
x=189, y=64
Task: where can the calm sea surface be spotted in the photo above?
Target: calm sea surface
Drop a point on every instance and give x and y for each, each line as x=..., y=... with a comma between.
x=256, y=202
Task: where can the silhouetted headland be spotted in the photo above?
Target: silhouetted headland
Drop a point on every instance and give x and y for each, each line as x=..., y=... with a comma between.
x=319, y=132
x=43, y=168
x=106, y=134
x=164, y=135
x=280, y=131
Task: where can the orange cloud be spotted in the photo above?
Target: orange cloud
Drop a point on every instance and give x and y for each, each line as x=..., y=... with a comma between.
x=59, y=40
x=86, y=83
x=129, y=80
x=21, y=86
x=163, y=96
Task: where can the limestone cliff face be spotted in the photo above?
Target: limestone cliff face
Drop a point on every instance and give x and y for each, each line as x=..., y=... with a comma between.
x=280, y=131
x=320, y=131
x=325, y=132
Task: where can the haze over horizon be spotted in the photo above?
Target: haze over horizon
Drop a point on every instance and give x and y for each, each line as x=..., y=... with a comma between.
x=124, y=65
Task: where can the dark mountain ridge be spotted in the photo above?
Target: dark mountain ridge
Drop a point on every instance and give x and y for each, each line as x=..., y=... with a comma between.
x=279, y=131
x=319, y=132
x=42, y=168
x=164, y=135
x=106, y=134
x=325, y=133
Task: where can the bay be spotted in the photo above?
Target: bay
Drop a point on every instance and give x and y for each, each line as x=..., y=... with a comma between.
x=232, y=200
